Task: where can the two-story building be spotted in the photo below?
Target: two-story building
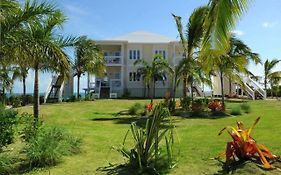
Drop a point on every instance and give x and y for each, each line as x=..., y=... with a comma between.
x=120, y=54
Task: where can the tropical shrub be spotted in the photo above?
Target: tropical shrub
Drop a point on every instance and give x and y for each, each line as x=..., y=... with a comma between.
x=147, y=155
x=169, y=102
x=28, y=128
x=215, y=106
x=185, y=103
x=48, y=146
x=5, y=163
x=246, y=107
x=236, y=110
x=198, y=105
x=136, y=109
x=244, y=147
x=8, y=120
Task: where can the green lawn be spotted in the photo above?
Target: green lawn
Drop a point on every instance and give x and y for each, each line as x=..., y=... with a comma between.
x=100, y=129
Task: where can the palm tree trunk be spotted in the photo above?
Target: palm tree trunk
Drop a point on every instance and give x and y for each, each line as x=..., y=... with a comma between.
x=230, y=88
x=3, y=95
x=222, y=90
x=153, y=91
x=36, y=97
x=174, y=90
x=24, y=90
x=191, y=89
x=78, y=87
x=184, y=86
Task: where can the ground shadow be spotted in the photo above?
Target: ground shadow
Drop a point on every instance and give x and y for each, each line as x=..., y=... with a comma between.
x=139, y=120
x=200, y=115
x=248, y=167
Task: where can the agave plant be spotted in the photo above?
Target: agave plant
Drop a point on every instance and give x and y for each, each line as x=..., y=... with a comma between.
x=244, y=147
x=145, y=155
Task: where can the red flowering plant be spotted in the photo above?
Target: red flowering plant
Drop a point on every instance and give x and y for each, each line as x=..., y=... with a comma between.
x=244, y=147
x=216, y=106
x=149, y=107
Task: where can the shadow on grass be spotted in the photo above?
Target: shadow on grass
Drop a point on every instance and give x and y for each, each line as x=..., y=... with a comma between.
x=126, y=169
x=139, y=120
x=200, y=115
x=248, y=167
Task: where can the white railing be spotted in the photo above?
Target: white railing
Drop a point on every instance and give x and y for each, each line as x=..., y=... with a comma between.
x=54, y=79
x=255, y=86
x=113, y=59
x=250, y=91
x=60, y=92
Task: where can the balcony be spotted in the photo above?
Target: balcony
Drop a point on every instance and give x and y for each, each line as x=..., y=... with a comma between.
x=113, y=60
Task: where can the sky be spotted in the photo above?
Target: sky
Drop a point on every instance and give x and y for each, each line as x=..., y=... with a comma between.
x=259, y=28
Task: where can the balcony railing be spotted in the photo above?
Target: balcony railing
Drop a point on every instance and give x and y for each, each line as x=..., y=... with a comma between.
x=113, y=60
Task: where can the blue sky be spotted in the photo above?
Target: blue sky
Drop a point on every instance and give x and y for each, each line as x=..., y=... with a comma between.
x=260, y=27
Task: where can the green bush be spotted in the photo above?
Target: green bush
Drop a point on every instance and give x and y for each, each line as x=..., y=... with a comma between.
x=28, y=130
x=236, y=110
x=5, y=163
x=17, y=101
x=185, y=103
x=49, y=145
x=136, y=109
x=198, y=105
x=246, y=107
x=8, y=120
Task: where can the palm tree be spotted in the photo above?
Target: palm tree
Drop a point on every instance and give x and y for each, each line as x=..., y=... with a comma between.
x=44, y=48
x=89, y=58
x=5, y=79
x=191, y=41
x=233, y=62
x=20, y=72
x=152, y=72
x=220, y=20
x=269, y=74
x=12, y=18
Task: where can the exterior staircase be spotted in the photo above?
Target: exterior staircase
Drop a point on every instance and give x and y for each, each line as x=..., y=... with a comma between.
x=253, y=89
x=54, y=90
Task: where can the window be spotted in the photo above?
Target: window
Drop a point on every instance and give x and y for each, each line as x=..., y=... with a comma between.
x=117, y=53
x=134, y=76
x=106, y=54
x=134, y=54
x=160, y=52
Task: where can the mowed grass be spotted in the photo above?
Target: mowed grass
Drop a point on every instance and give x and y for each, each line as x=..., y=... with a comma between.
x=96, y=122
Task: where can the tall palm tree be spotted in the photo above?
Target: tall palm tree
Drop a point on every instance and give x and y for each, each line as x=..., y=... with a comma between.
x=157, y=70
x=191, y=40
x=44, y=48
x=12, y=18
x=269, y=74
x=234, y=62
x=220, y=20
x=89, y=58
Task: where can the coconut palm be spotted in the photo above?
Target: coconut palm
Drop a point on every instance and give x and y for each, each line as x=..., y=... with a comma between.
x=271, y=76
x=234, y=62
x=157, y=70
x=13, y=17
x=44, y=49
x=89, y=58
x=220, y=20
x=190, y=41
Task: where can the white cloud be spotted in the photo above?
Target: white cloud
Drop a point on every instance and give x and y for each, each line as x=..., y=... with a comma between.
x=238, y=32
x=269, y=24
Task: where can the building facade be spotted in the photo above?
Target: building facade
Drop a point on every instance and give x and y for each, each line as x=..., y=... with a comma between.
x=120, y=54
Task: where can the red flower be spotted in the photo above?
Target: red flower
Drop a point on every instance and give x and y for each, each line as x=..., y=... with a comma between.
x=149, y=107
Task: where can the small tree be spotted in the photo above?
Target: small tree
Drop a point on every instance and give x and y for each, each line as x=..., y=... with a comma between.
x=155, y=71
x=89, y=58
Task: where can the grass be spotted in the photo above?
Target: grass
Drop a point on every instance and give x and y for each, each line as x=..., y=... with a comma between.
x=96, y=122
